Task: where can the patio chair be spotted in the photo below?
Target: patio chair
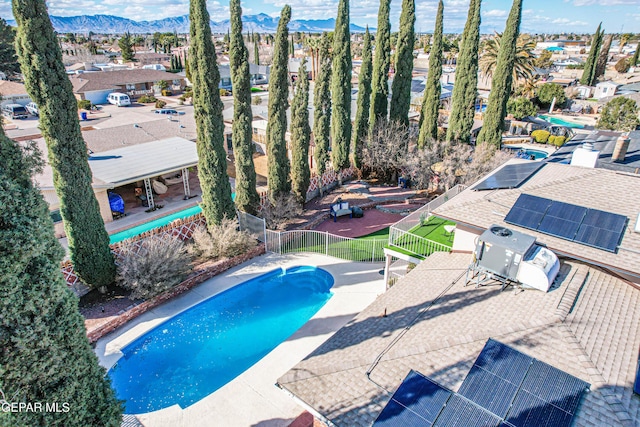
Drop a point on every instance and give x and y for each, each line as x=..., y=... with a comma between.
x=340, y=208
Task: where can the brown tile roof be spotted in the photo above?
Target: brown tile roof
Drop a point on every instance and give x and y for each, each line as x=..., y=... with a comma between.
x=102, y=80
x=588, y=326
x=11, y=88
x=601, y=189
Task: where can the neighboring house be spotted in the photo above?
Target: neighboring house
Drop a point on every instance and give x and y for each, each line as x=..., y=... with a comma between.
x=259, y=75
x=605, y=89
x=584, y=92
x=294, y=65
x=564, y=63
x=95, y=86
x=13, y=93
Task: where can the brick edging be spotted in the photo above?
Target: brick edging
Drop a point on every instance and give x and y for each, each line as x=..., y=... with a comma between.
x=189, y=283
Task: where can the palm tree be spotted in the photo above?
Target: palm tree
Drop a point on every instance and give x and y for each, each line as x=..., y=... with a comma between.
x=523, y=68
x=624, y=39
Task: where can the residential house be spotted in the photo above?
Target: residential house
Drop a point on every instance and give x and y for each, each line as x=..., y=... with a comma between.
x=95, y=86
x=566, y=62
x=259, y=75
x=604, y=89
x=13, y=93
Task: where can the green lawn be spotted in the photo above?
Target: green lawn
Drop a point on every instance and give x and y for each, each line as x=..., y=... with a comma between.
x=432, y=230
x=380, y=234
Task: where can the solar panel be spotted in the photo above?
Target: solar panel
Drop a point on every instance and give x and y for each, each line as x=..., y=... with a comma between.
x=461, y=412
x=590, y=227
x=479, y=381
x=531, y=411
x=417, y=401
x=504, y=361
x=510, y=176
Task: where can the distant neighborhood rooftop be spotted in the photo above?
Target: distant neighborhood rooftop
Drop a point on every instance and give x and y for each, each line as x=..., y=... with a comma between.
x=103, y=80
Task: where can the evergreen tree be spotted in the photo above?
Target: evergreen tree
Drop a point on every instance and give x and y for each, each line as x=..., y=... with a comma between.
x=588, y=75
x=634, y=58
x=300, y=136
x=491, y=132
x=277, y=156
x=322, y=107
x=256, y=49
x=187, y=68
x=341, y=90
x=126, y=47
x=8, y=59
x=174, y=63
x=361, y=125
x=247, y=198
x=381, y=63
x=44, y=352
x=292, y=48
x=212, y=164
x=47, y=84
x=601, y=65
x=180, y=66
x=466, y=86
x=431, y=98
x=401, y=86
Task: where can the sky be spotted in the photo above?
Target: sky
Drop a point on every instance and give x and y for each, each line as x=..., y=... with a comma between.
x=539, y=16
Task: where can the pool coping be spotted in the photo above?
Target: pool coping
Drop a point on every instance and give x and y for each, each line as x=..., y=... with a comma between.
x=260, y=395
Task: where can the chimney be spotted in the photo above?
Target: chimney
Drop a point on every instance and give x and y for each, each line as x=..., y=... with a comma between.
x=620, y=150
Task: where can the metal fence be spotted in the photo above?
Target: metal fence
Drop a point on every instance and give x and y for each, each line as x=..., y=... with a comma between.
x=400, y=233
x=361, y=250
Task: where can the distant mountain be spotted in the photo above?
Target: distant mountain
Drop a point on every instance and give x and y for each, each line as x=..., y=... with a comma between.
x=101, y=24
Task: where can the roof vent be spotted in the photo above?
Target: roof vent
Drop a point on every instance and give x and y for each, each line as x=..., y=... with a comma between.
x=588, y=146
x=585, y=156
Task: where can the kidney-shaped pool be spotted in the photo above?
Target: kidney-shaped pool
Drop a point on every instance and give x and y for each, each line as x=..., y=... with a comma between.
x=201, y=349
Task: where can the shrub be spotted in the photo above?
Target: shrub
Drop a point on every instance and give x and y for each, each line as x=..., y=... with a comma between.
x=548, y=91
x=558, y=140
x=147, y=99
x=520, y=107
x=159, y=264
x=540, y=135
x=256, y=100
x=166, y=92
x=160, y=103
x=619, y=114
x=223, y=240
x=224, y=92
x=623, y=65
x=84, y=104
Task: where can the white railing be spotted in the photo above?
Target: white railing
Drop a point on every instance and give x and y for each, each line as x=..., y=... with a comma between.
x=411, y=221
x=415, y=244
x=362, y=250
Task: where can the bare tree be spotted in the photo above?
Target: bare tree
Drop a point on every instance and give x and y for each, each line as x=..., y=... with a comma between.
x=385, y=151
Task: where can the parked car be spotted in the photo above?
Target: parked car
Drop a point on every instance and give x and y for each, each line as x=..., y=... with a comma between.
x=32, y=108
x=15, y=111
x=119, y=99
x=169, y=111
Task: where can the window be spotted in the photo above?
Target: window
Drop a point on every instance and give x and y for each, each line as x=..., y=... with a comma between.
x=131, y=86
x=55, y=216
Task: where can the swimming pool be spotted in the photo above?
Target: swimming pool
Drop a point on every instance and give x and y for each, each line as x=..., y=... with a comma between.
x=526, y=153
x=201, y=349
x=558, y=121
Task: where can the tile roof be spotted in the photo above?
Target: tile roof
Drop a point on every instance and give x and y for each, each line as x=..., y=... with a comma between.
x=592, y=188
x=103, y=80
x=588, y=326
x=11, y=88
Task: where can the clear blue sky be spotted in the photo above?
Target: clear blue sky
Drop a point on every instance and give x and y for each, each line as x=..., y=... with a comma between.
x=539, y=16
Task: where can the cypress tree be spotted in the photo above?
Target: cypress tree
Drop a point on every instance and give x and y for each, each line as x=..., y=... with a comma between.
x=381, y=63
x=502, y=80
x=341, y=90
x=466, y=85
x=277, y=158
x=44, y=352
x=300, y=136
x=180, y=66
x=431, y=98
x=601, y=64
x=47, y=84
x=212, y=164
x=361, y=125
x=590, y=65
x=322, y=107
x=401, y=86
x=634, y=58
x=292, y=48
x=256, y=50
x=174, y=63
x=247, y=198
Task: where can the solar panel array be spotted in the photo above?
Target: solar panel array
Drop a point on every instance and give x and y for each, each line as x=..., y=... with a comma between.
x=510, y=176
x=591, y=227
x=505, y=388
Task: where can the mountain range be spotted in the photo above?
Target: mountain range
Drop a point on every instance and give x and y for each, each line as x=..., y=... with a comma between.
x=262, y=23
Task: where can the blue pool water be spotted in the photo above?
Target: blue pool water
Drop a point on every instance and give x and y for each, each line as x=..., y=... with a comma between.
x=156, y=223
x=527, y=153
x=558, y=121
x=201, y=349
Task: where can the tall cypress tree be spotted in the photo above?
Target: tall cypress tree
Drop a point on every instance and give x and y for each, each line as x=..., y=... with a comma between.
x=431, y=99
x=277, y=158
x=256, y=49
x=300, y=136
x=466, y=85
x=47, y=83
x=381, y=63
x=634, y=58
x=491, y=132
x=361, y=125
x=401, y=86
x=601, y=64
x=341, y=90
x=322, y=107
x=590, y=64
x=44, y=352
x=247, y=198
x=212, y=164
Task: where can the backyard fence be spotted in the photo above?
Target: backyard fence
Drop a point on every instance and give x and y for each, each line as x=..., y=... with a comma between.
x=400, y=233
x=253, y=225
